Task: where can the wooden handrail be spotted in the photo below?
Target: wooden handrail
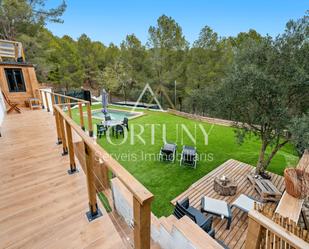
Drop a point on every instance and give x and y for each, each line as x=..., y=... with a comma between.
x=67, y=102
x=135, y=187
x=64, y=96
x=271, y=227
x=258, y=221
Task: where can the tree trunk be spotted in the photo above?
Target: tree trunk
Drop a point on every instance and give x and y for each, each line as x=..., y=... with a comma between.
x=125, y=95
x=110, y=97
x=264, y=162
x=260, y=167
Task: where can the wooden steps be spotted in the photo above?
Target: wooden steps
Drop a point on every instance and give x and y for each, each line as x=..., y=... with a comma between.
x=166, y=223
x=196, y=235
x=183, y=233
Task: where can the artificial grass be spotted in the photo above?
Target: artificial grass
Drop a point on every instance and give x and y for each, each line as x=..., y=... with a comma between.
x=104, y=202
x=167, y=180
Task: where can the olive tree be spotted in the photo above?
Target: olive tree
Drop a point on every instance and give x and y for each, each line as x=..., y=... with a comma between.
x=266, y=90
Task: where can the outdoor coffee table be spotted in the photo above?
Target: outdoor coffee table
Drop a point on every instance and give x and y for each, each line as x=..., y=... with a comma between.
x=217, y=207
x=225, y=186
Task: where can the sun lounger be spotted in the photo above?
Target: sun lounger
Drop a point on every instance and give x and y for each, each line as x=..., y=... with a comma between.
x=245, y=203
x=188, y=156
x=217, y=207
x=168, y=152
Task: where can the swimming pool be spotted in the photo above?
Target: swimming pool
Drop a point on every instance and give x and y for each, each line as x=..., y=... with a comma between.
x=115, y=114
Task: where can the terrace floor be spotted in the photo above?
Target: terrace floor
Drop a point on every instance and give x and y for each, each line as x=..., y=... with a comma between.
x=235, y=237
x=41, y=206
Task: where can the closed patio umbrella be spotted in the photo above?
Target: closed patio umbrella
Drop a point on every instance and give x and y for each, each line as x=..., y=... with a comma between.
x=104, y=101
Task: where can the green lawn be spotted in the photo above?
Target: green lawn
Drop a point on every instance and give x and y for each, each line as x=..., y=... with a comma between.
x=167, y=180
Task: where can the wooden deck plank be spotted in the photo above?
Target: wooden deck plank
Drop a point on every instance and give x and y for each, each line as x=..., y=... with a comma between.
x=41, y=206
x=235, y=237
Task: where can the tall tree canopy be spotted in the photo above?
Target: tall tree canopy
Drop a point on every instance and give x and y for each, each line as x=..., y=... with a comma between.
x=167, y=46
x=267, y=87
x=26, y=16
x=259, y=81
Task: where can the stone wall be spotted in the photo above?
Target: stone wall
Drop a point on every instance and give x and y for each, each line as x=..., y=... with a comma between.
x=202, y=118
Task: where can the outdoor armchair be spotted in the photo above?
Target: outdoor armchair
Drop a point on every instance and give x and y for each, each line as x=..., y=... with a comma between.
x=101, y=130
x=168, y=152
x=218, y=208
x=125, y=123
x=205, y=222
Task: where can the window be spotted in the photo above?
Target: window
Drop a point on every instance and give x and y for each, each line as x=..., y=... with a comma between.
x=15, y=79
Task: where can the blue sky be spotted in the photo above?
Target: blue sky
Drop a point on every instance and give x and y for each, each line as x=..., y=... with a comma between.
x=111, y=20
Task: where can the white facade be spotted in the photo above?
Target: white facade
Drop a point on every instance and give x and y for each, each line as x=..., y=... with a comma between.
x=2, y=108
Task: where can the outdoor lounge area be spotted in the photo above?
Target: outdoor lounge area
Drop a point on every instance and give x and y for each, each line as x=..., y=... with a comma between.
x=123, y=193
x=157, y=174
x=235, y=236
x=154, y=124
x=65, y=185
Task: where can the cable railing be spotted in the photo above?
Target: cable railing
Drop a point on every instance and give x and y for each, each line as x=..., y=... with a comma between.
x=52, y=98
x=94, y=156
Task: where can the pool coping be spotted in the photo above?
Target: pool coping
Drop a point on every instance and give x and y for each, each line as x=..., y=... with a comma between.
x=138, y=114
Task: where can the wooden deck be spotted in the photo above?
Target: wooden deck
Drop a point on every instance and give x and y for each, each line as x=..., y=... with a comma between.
x=41, y=206
x=236, y=235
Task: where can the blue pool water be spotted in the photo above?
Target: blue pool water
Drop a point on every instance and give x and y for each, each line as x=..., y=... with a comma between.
x=115, y=114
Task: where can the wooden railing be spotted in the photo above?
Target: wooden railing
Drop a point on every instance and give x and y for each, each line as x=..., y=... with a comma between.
x=11, y=49
x=93, y=153
x=267, y=229
x=277, y=228
x=68, y=102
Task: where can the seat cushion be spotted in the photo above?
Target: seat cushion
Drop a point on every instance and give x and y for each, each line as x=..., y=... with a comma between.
x=188, y=151
x=244, y=202
x=215, y=206
x=169, y=148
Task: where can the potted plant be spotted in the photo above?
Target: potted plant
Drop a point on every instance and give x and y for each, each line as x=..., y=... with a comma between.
x=297, y=182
